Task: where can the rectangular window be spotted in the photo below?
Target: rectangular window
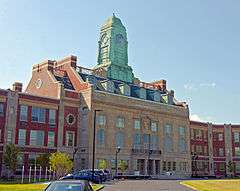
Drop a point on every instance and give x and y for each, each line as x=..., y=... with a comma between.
x=101, y=119
x=1, y=109
x=36, y=138
x=205, y=133
x=51, y=138
x=193, y=149
x=23, y=113
x=70, y=139
x=221, y=152
x=205, y=150
x=168, y=141
x=146, y=141
x=169, y=166
x=181, y=141
x=192, y=133
x=237, y=151
x=153, y=126
x=120, y=122
x=174, y=166
x=164, y=166
x=9, y=136
x=222, y=167
x=38, y=114
x=198, y=134
x=236, y=137
x=168, y=129
x=22, y=137
x=137, y=124
x=137, y=141
x=154, y=142
x=220, y=136
x=237, y=167
x=52, y=117
x=199, y=149
x=181, y=131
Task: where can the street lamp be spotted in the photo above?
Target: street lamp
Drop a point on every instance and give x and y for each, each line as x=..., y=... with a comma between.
x=74, y=153
x=116, y=160
x=94, y=140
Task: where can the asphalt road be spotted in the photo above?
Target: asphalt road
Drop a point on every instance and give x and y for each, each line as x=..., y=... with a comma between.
x=146, y=185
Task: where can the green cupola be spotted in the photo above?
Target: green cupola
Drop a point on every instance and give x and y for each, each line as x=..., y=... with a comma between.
x=113, y=50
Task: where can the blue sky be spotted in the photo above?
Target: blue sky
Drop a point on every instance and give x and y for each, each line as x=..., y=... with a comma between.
x=194, y=45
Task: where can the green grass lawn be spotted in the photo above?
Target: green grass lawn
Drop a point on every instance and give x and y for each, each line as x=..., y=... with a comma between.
x=30, y=187
x=22, y=187
x=213, y=185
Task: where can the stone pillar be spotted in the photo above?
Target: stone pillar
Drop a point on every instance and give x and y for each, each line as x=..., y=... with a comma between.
x=145, y=167
x=210, y=150
x=228, y=146
x=154, y=167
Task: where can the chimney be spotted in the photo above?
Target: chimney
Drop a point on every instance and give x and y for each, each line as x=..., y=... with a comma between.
x=161, y=85
x=17, y=87
x=172, y=93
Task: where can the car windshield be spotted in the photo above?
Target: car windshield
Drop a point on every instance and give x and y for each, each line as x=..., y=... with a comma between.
x=62, y=186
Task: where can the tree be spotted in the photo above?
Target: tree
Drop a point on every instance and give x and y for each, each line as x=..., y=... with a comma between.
x=43, y=160
x=10, y=157
x=60, y=163
x=102, y=164
x=230, y=167
x=123, y=165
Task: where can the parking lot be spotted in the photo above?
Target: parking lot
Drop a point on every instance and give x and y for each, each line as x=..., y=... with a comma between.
x=146, y=185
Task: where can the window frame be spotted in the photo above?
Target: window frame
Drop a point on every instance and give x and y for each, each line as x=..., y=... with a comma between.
x=2, y=109
x=67, y=138
x=22, y=116
x=51, y=121
x=137, y=124
x=32, y=139
x=38, y=112
x=20, y=137
x=52, y=140
x=120, y=120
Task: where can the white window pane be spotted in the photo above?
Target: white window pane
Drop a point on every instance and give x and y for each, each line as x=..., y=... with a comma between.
x=22, y=137
x=1, y=108
x=137, y=124
x=23, y=113
x=51, y=138
x=154, y=126
x=52, y=117
x=120, y=122
x=101, y=120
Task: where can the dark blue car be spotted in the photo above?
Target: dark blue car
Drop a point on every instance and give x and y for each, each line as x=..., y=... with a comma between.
x=84, y=176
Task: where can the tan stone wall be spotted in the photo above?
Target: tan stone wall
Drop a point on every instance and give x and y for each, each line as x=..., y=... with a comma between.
x=114, y=106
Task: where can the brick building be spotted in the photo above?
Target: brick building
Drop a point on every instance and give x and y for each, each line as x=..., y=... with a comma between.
x=152, y=128
x=214, y=148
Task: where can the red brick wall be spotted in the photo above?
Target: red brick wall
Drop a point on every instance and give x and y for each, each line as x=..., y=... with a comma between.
x=70, y=110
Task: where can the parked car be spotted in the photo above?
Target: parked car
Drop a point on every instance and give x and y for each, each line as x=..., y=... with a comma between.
x=72, y=185
x=83, y=175
x=108, y=173
x=101, y=173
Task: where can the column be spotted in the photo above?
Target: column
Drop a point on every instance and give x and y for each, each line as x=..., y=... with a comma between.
x=145, y=167
x=153, y=167
x=210, y=150
x=228, y=147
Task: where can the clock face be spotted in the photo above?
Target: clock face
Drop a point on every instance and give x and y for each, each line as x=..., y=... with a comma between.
x=119, y=38
x=104, y=40
x=39, y=83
